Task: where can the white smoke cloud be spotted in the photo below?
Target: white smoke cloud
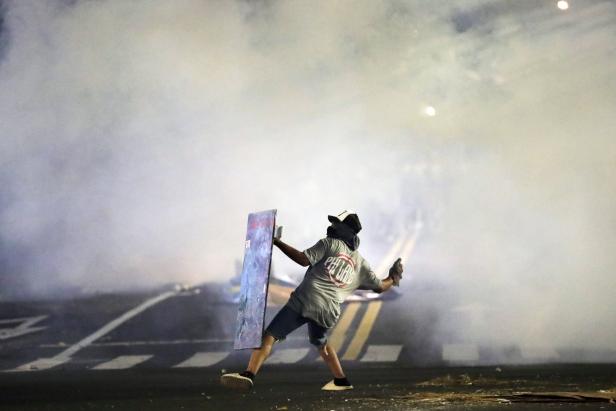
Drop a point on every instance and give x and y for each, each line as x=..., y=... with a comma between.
x=136, y=136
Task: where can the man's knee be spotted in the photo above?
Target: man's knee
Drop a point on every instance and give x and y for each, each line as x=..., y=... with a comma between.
x=319, y=343
x=268, y=340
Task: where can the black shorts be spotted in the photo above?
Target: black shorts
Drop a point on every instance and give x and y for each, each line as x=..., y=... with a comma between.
x=287, y=320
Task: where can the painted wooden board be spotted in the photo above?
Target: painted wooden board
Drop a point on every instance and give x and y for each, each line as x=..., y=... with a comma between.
x=255, y=278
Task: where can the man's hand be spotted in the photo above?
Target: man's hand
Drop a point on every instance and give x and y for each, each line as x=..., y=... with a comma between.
x=277, y=232
x=395, y=272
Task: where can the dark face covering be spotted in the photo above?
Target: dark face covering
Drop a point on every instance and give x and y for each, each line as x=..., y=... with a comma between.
x=345, y=233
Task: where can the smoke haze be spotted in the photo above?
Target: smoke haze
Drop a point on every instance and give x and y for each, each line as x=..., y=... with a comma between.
x=136, y=136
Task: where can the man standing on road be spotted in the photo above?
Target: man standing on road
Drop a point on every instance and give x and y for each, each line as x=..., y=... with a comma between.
x=335, y=271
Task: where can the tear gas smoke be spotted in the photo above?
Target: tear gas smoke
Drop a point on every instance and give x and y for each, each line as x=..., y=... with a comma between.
x=136, y=136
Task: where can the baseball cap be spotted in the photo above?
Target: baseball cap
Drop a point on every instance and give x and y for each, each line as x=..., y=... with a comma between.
x=347, y=217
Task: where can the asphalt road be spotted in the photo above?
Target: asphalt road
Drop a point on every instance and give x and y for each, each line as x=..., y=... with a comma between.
x=85, y=332
x=163, y=350
x=292, y=387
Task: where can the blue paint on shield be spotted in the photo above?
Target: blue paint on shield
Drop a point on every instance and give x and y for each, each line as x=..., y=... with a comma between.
x=255, y=278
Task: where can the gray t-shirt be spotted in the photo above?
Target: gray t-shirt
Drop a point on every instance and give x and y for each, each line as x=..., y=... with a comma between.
x=335, y=272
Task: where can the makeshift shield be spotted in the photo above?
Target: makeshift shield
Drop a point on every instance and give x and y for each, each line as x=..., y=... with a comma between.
x=255, y=279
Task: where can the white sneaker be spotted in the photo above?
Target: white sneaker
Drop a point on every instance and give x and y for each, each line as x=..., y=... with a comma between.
x=236, y=381
x=331, y=386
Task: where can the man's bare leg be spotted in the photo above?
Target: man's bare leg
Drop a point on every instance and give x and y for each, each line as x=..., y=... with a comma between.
x=245, y=380
x=340, y=382
x=259, y=355
x=331, y=359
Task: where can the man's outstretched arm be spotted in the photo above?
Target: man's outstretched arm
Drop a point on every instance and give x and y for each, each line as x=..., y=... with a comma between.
x=386, y=284
x=295, y=255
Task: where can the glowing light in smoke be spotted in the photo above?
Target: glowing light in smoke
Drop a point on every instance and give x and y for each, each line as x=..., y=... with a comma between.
x=562, y=4
x=430, y=111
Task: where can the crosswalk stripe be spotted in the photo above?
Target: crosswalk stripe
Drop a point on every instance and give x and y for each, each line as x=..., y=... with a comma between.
x=538, y=353
x=122, y=362
x=382, y=353
x=374, y=353
x=287, y=355
x=40, y=364
x=460, y=352
x=203, y=359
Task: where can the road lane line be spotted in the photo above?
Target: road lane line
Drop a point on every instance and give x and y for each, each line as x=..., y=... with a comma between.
x=123, y=362
x=65, y=356
x=367, y=322
x=203, y=359
x=287, y=355
x=25, y=326
x=382, y=353
x=114, y=324
x=338, y=335
x=363, y=331
x=408, y=248
x=336, y=339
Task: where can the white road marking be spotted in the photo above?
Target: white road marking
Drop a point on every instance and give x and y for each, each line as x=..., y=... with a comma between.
x=287, y=355
x=40, y=364
x=460, y=352
x=160, y=342
x=374, y=353
x=203, y=359
x=382, y=353
x=123, y=362
x=24, y=327
x=404, y=248
x=539, y=353
x=64, y=356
